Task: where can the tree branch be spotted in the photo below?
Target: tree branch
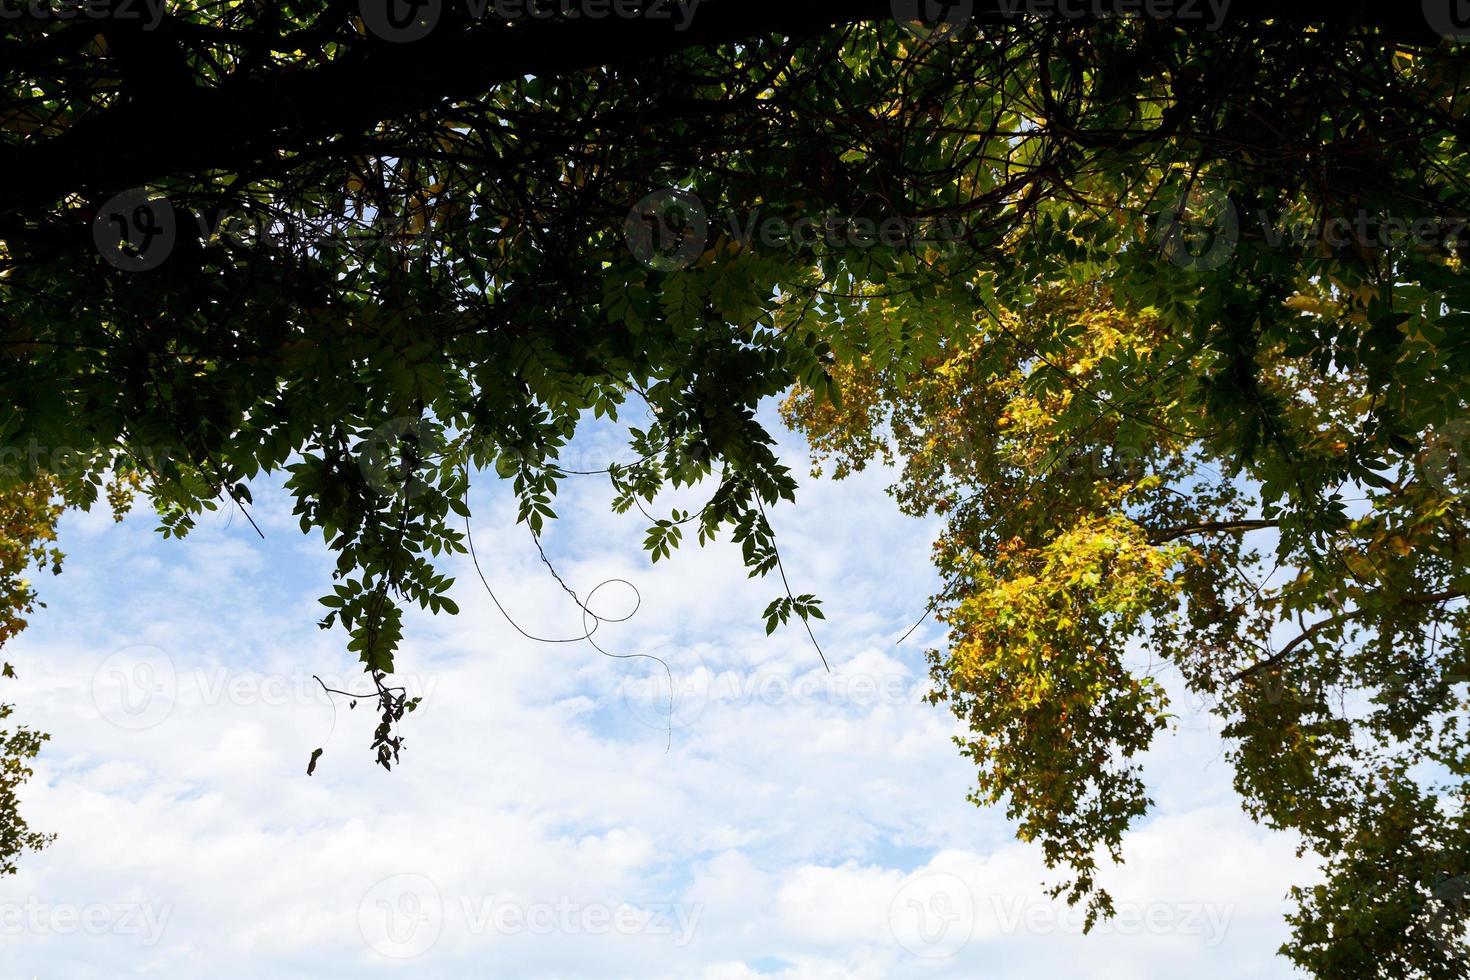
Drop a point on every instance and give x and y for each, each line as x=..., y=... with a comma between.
x=247, y=120
x=1338, y=620
x=1208, y=527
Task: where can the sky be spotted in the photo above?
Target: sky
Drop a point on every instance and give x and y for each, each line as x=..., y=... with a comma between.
x=798, y=825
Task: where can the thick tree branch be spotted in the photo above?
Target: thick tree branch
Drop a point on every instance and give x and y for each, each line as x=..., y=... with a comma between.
x=1208, y=527
x=1340, y=619
x=248, y=120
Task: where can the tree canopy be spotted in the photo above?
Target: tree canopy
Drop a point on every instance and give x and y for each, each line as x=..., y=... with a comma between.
x=1122, y=294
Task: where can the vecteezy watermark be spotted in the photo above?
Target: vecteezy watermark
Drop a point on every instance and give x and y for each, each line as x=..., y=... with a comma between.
x=395, y=456
x=696, y=687
x=930, y=20
x=1449, y=18
x=669, y=230
x=567, y=917
x=139, y=687
x=964, y=454
x=405, y=21
x=1202, y=228
x=1448, y=914
x=136, y=688
x=147, y=12
x=933, y=915
x=143, y=920
x=1207, y=920
x=135, y=231
x=138, y=230
x=404, y=915
x=1367, y=230
x=1210, y=13
x=401, y=916
x=25, y=462
x=653, y=703
x=1198, y=230
x=1444, y=462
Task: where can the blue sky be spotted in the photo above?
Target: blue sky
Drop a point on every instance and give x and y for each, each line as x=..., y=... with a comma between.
x=802, y=826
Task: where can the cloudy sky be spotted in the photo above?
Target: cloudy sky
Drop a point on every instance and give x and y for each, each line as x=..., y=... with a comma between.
x=801, y=825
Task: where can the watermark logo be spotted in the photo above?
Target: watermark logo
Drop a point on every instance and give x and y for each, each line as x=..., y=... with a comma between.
x=1449, y=18
x=1199, y=230
x=136, y=688
x=394, y=456
x=667, y=230
x=650, y=699
x=1449, y=914
x=933, y=915
x=135, y=231
x=400, y=21
x=932, y=20
x=1445, y=460
x=401, y=916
